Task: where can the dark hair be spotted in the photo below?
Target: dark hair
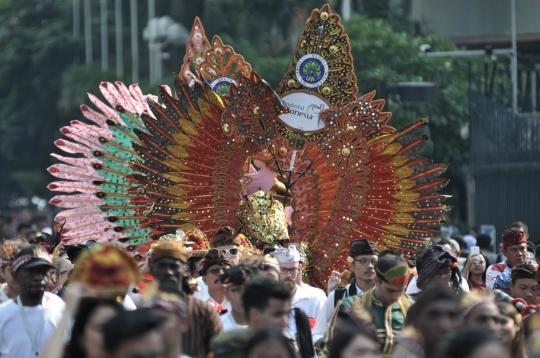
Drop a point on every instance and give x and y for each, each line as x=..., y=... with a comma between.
x=344, y=337
x=239, y=275
x=475, y=229
x=435, y=258
x=517, y=348
x=87, y=307
x=483, y=241
x=520, y=224
x=487, y=265
x=433, y=293
x=467, y=342
x=127, y=325
x=531, y=247
x=389, y=259
x=193, y=263
x=23, y=227
x=270, y=335
x=260, y=290
x=523, y=271
x=461, y=242
x=212, y=258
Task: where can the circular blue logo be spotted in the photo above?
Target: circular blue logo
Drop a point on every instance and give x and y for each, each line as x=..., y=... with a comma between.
x=221, y=86
x=311, y=70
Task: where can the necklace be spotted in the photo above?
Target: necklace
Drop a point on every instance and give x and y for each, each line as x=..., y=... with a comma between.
x=35, y=343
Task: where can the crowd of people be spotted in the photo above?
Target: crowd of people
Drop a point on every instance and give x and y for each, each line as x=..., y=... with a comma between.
x=457, y=298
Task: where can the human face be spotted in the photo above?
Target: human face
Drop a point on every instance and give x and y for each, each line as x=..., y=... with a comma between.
x=361, y=347
x=288, y=274
x=525, y=288
x=227, y=250
x=508, y=329
x=478, y=265
x=212, y=276
x=442, y=275
x=364, y=272
x=438, y=321
x=386, y=293
x=172, y=325
x=234, y=296
x=270, y=349
x=515, y=254
x=93, y=331
x=276, y=314
x=33, y=281
x=148, y=346
x=8, y=274
x=270, y=272
x=168, y=269
x=484, y=316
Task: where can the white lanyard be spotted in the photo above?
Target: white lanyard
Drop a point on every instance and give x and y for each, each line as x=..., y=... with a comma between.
x=35, y=343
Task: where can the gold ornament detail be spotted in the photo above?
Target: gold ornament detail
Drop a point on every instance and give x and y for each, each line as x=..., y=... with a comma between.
x=333, y=49
x=326, y=90
x=263, y=219
x=346, y=151
x=256, y=109
x=226, y=127
x=324, y=15
x=218, y=51
x=291, y=83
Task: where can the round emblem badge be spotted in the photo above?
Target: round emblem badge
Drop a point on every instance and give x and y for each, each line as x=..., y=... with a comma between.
x=221, y=85
x=311, y=70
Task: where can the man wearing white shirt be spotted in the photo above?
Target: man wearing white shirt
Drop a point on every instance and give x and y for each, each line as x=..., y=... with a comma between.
x=27, y=322
x=214, y=266
x=302, y=301
x=364, y=256
x=314, y=292
x=515, y=249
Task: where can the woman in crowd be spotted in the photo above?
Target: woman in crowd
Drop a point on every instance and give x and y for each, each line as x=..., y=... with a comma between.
x=475, y=343
x=475, y=271
x=270, y=343
x=353, y=343
x=511, y=330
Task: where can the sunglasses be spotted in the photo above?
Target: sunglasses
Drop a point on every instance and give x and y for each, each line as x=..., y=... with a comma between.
x=230, y=252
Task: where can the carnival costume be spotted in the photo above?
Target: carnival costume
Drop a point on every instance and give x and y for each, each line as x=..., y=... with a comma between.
x=226, y=146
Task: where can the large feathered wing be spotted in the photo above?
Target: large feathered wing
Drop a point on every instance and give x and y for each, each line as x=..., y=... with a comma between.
x=386, y=193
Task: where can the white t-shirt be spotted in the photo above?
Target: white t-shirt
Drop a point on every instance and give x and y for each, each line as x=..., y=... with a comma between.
x=3, y=296
x=229, y=323
x=14, y=340
x=307, y=303
x=413, y=289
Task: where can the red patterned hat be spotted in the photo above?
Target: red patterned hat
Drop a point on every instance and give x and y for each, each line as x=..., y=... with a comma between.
x=513, y=237
x=32, y=256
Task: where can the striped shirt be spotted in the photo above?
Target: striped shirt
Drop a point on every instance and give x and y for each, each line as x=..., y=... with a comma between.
x=204, y=323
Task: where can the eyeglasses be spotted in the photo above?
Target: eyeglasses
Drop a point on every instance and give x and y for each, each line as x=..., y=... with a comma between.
x=216, y=271
x=230, y=252
x=364, y=262
x=285, y=271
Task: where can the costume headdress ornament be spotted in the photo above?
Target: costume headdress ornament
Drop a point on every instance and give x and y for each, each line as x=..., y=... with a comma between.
x=195, y=241
x=7, y=253
x=148, y=169
x=108, y=270
x=169, y=248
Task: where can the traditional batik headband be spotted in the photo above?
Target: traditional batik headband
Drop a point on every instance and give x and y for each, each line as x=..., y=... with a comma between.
x=395, y=276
